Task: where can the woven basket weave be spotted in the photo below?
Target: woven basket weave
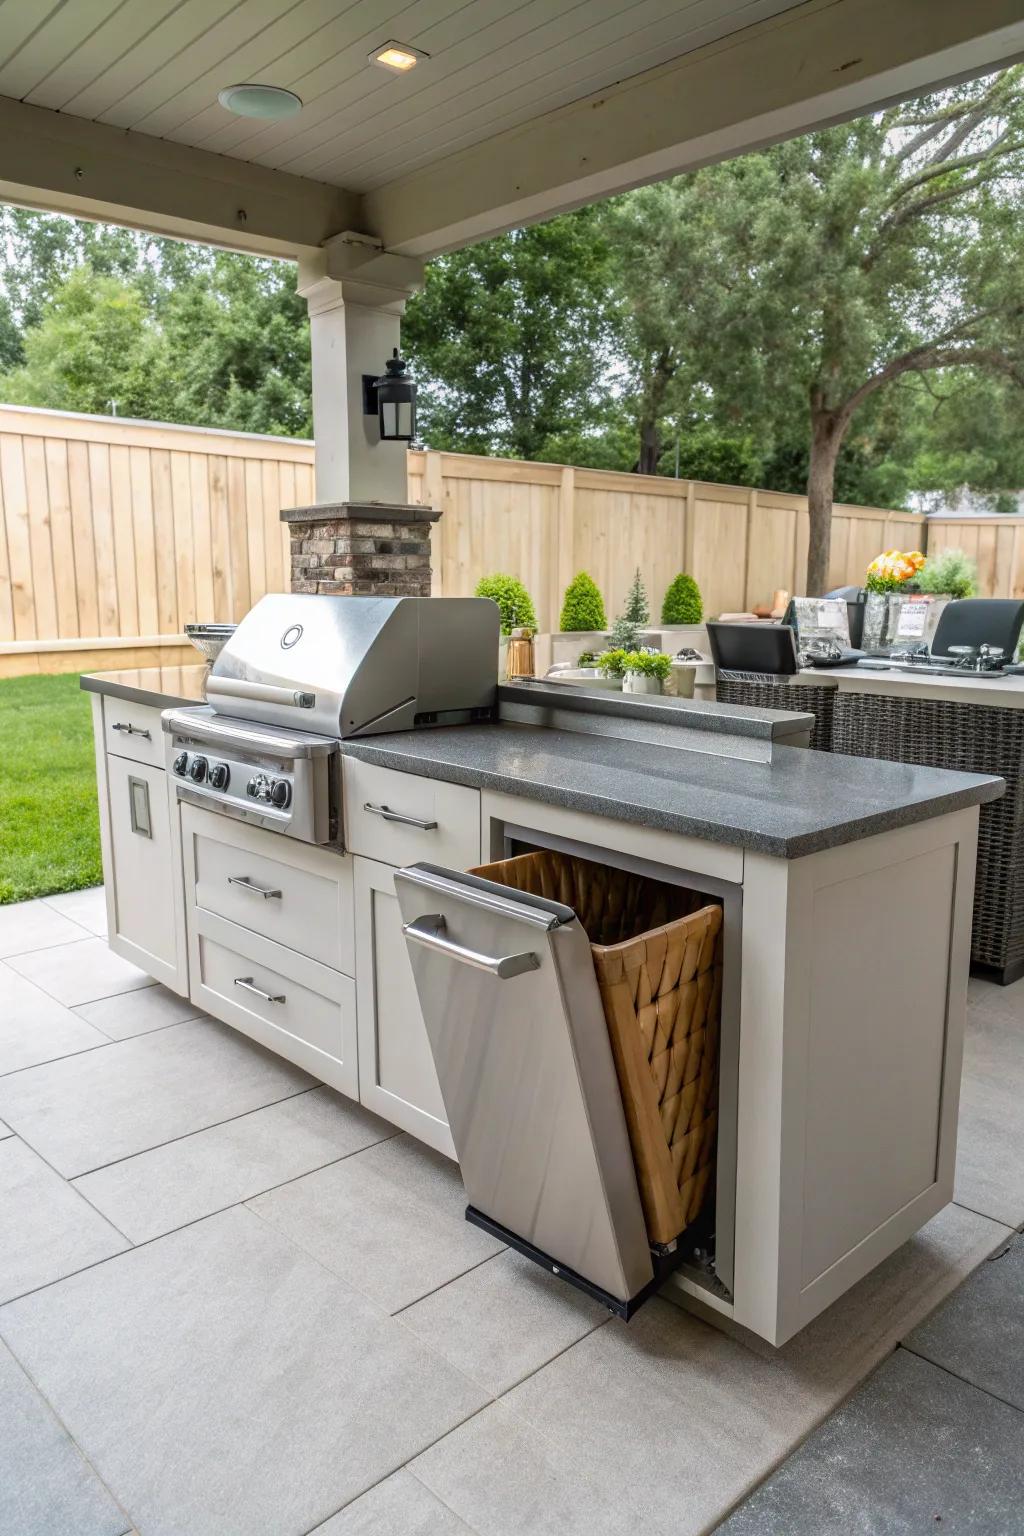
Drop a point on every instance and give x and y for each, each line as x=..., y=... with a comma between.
x=763, y=691
x=658, y=958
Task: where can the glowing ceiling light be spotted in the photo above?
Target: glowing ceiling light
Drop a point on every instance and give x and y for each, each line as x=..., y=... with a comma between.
x=400, y=57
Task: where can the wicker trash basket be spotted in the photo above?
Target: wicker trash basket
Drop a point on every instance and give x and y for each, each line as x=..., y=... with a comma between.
x=657, y=952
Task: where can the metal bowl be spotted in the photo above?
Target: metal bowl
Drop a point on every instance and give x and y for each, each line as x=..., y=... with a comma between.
x=210, y=638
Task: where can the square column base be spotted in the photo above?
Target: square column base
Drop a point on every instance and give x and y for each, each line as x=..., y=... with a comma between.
x=361, y=548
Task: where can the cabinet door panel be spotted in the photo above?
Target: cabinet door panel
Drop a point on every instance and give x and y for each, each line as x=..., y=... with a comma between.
x=397, y=1079
x=146, y=905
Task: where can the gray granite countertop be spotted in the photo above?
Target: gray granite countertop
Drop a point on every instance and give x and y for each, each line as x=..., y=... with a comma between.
x=799, y=803
x=162, y=687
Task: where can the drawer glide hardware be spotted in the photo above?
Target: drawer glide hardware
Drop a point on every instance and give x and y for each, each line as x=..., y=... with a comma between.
x=246, y=983
x=256, y=890
x=388, y=814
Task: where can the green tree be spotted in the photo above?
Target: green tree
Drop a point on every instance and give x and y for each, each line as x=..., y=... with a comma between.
x=834, y=265
x=511, y=340
x=583, y=605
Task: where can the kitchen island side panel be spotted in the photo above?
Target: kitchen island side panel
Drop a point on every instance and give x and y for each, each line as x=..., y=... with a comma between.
x=851, y=1042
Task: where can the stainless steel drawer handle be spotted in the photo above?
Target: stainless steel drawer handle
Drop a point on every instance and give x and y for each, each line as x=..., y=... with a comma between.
x=246, y=983
x=257, y=890
x=406, y=821
x=132, y=730
x=429, y=931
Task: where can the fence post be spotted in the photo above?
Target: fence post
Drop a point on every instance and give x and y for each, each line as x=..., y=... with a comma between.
x=563, y=562
x=751, y=515
x=433, y=493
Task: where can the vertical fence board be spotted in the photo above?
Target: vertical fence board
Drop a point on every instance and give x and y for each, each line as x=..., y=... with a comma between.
x=83, y=539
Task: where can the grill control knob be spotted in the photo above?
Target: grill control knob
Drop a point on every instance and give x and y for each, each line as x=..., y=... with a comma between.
x=180, y=764
x=255, y=786
x=197, y=769
x=280, y=793
x=220, y=773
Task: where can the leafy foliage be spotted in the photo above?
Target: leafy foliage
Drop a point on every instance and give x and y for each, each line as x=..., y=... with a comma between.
x=583, y=605
x=512, y=599
x=637, y=609
x=613, y=661
x=952, y=571
x=683, y=603
x=648, y=664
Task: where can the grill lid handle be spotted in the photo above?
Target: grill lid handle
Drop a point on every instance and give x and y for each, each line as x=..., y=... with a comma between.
x=261, y=693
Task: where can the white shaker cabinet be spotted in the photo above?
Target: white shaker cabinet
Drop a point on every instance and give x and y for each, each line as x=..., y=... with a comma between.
x=139, y=841
x=396, y=1070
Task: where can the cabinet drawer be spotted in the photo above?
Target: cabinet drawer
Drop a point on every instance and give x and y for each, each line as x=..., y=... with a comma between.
x=133, y=730
x=450, y=814
x=286, y=891
x=311, y=1025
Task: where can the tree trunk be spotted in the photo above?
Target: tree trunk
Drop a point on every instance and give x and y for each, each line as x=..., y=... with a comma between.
x=650, y=447
x=826, y=437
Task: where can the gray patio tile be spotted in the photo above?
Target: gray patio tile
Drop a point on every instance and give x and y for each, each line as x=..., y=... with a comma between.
x=88, y=907
x=5, y=1130
x=48, y=1230
x=913, y=1450
x=399, y=1506
x=159, y=1190
x=136, y=1013
x=390, y=1221
x=990, y=1146
x=221, y=1381
x=34, y=1028
x=46, y=1487
x=504, y=1479
x=80, y=973
x=708, y=1417
x=29, y=925
x=101, y=1106
x=979, y=1332
x=503, y=1320
x=1008, y=1001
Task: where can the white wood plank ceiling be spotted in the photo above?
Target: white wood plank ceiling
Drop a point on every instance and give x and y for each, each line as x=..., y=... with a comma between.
x=155, y=67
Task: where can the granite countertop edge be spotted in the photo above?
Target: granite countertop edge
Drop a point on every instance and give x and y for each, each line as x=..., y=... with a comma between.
x=156, y=698
x=723, y=833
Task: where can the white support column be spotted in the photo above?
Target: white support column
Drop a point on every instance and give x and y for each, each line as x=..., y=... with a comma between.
x=355, y=294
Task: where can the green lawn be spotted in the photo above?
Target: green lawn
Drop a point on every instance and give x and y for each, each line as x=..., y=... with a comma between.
x=49, y=825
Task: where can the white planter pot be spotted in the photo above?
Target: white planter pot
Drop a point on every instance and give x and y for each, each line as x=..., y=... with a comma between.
x=640, y=682
x=570, y=644
x=502, y=658
x=675, y=636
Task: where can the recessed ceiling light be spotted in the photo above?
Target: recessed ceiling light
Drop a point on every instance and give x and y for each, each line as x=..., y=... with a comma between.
x=399, y=57
x=271, y=101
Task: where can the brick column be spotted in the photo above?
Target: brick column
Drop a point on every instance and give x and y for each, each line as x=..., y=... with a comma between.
x=362, y=549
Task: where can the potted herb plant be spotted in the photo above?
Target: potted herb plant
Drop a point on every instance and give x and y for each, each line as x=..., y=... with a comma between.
x=641, y=671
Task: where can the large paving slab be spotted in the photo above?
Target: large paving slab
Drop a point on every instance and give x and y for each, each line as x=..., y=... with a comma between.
x=196, y=1175
x=81, y=972
x=48, y=1229
x=95, y=1108
x=913, y=1450
x=990, y=1138
x=46, y=1486
x=689, y=1420
x=504, y=1479
x=979, y=1332
x=223, y=1383
x=88, y=907
x=30, y=925
x=138, y=1012
x=390, y=1221
x=503, y=1320
x=399, y=1506
x=35, y=1028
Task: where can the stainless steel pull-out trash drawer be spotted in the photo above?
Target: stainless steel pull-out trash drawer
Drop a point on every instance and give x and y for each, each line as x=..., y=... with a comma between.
x=518, y=1034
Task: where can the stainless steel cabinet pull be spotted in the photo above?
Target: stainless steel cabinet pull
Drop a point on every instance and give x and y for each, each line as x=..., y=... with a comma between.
x=429, y=931
x=132, y=730
x=257, y=890
x=406, y=821
x=246, y=983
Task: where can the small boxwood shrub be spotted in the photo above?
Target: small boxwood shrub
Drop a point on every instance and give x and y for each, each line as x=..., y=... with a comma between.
x=683, y=604
x=512, y=598
x=583, y=605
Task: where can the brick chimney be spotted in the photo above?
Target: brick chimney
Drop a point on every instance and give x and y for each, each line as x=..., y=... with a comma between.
x=361, y=548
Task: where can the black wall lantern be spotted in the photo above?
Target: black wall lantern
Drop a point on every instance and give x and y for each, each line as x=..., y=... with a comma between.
x=392, y=399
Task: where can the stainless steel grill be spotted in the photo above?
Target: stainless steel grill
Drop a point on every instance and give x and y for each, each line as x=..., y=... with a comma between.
x=301, y=673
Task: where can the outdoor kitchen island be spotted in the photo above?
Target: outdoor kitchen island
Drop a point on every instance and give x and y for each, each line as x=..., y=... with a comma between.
x=845, y=886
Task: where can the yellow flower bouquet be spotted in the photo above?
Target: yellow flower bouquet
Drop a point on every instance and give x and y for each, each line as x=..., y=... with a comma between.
x=894, y=570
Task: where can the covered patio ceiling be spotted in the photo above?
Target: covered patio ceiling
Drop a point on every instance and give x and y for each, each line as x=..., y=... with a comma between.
x=108, y=108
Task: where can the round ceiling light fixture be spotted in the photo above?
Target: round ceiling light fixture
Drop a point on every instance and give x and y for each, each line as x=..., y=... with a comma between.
x=266, y=101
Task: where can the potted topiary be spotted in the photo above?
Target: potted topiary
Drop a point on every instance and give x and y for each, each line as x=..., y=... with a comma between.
x=645, y=671
x=682, y=613
x=514, y=604
x=582, y=622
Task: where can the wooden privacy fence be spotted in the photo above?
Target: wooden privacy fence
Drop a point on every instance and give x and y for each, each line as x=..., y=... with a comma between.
x=115, y=534
x=995, y=544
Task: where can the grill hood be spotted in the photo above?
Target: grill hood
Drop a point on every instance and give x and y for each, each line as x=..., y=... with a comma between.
x=356, y=666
